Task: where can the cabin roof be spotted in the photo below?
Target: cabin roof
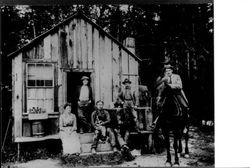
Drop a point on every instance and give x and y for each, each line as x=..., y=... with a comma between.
x=78, y=14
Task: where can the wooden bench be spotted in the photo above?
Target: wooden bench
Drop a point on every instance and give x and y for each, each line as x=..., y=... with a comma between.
x=20, y=140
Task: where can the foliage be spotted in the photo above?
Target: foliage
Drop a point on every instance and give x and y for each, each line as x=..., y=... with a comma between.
x=92, y=160
x=41, y=150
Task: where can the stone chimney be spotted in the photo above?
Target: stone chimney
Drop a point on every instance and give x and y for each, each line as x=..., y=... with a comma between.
x=129, y=42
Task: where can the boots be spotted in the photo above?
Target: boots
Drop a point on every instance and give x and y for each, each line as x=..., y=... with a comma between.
x=126, y=153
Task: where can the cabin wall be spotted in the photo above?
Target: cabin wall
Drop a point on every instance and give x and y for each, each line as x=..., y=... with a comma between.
x=74, y=47
x=80, y=47
x=17, y=94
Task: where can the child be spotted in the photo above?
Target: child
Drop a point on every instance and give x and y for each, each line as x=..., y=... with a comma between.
x=100, y=120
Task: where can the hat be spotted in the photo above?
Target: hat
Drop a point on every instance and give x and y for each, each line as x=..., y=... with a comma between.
x=166, y=61
x=126, y=81
x=168, y=66
x=84, y=77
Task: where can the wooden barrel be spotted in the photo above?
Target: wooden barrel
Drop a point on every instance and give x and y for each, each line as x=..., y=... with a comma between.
x=37, y=129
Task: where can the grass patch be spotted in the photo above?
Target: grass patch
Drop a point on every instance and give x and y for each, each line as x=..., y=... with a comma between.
x=92, y=160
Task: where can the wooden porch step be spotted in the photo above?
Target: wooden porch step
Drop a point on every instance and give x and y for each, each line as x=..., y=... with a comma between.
x=98, y=153
x=86, y=141
x=86, y=138
x=86, y=148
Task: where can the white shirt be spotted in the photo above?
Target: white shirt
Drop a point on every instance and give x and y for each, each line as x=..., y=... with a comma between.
x=84, y=94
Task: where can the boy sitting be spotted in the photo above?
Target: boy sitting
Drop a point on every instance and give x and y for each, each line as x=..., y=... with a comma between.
x=100, y=120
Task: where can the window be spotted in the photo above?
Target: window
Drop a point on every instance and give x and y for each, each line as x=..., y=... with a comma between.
x=40, y=86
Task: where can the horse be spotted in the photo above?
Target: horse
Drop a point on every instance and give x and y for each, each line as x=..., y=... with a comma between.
x=172, y=118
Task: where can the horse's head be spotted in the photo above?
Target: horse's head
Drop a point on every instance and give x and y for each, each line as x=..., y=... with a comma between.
x=164, y=90
x=167, y=99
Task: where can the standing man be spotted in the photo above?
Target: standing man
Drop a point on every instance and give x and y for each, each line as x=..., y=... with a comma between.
x=84, y=105
x=129, y=123
x=100, y=120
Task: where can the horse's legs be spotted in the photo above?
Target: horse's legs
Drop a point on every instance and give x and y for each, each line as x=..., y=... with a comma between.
x=180, y=146
x=176, y=139
x=167, y=141
x=186, y=136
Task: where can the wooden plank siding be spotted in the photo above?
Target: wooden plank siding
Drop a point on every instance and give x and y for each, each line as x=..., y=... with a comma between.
x=70, y=44
x=102, y=53
x=107, y=77
x=55, y=58
x=24, y=95
x=13, y=76
x=89, y=35
x=18, y=95
x=75, y=43
x=78, y=44
x=115, y=71
x=62, y=60
x=134, y=76
x=124, y=64
x=47, y=48
x=96, y=57
x=55, y=47
x=83, y=45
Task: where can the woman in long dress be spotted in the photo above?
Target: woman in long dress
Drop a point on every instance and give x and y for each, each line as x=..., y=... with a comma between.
x=68, y=135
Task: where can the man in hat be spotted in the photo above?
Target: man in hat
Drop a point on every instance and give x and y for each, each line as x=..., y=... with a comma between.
x=84, y=105
x=128, y=122
x=174, y=81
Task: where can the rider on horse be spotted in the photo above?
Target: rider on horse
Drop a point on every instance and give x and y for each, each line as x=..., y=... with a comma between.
x=173, y=112
x=174, y=81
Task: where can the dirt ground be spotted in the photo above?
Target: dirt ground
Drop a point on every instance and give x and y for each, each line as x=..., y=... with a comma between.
x=201, y=146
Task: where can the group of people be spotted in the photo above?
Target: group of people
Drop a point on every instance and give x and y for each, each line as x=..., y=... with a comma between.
x=98, y=120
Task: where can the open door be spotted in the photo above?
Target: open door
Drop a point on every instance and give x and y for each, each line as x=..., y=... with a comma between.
x=74, y=83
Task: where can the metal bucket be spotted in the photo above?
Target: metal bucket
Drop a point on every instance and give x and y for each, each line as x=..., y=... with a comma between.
x=37, y=129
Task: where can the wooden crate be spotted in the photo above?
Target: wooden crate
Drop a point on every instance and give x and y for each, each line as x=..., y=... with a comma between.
x=40, y=116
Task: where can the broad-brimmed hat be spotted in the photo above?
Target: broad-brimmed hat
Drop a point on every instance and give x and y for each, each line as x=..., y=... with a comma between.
x=84, y=77
x=168, y=66
x=126, y=81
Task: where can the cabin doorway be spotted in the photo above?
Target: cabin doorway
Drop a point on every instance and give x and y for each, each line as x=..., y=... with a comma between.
x=74, y=84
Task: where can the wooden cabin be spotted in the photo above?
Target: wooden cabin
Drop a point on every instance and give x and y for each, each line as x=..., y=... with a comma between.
x=46, y=71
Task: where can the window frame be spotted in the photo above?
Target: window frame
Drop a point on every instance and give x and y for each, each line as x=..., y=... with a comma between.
x=35, y=63
x=40, y=87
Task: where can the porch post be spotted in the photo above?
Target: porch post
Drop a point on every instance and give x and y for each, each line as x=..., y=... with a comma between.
x=18, y=151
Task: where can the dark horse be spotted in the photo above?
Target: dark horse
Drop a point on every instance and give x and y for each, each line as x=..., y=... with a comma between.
x=172, y=118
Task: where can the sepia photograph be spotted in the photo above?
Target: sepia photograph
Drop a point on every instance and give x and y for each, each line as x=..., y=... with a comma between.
x=107, y=85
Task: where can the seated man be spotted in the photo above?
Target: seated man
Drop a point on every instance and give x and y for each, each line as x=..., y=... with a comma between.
x=100, y=120
x=128, y=118
x=116, y=125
